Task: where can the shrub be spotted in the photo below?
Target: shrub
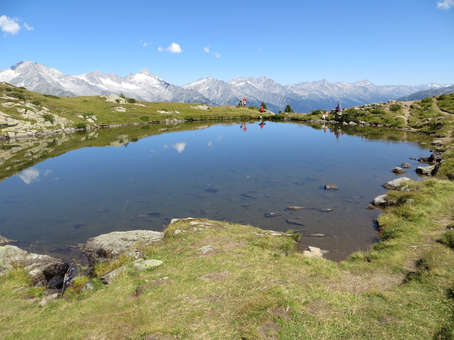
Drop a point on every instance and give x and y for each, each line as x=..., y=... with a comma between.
x=448, y=239
x=122, y=96
x=17, y=95
x=49, y=118
x=145, y=118
x=131, y=100
x=51, y=96
x=288, y=108
x=427, y=100
x=395, y=107
x=81, y=126
x=36, y=102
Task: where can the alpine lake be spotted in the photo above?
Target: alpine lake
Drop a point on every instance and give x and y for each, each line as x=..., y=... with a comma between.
x=56, y=192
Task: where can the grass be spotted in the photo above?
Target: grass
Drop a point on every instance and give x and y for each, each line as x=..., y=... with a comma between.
x=253, y=285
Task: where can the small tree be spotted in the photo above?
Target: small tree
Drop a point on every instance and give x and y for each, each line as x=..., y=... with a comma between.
x=288, y=109
x=263, y=105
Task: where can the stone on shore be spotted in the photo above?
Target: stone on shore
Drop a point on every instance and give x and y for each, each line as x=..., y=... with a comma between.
x=381, y=200
x=314, y=252
x=331, y=187
x=406, y=165
x=4, y=240
x=109, y=246
x=426, y=170
x=42, y=269
x=397, y=183
x=295, y=207
x=398, y=170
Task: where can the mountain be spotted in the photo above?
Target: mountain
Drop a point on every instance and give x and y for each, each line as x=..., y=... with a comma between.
x=435, y=91
x=143, y=85
x=303, y=97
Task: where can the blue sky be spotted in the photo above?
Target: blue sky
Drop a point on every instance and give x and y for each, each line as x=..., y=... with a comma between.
x=384, y=41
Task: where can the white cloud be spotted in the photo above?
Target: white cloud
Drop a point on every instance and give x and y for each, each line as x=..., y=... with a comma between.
x=174, y=48
x=206, y=49
x=217, y=55
x=160, y=49
x=145, y=44
x=445, y=4
x=29, y=176
x=179, y=147
x=9, y=25
x=28, y=27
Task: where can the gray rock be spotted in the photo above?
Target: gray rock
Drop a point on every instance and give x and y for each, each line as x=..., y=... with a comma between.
x=110, y=276
x=272, y=214
x=395, y=184
x=41, y=268
x=4, y=240
x=381, y=200
x=426, y=170
x=406, y=165
x=147, y=264
x=108, y=246
x=398, y=171
x=315, y=235
x=48, y=298
x=206, y=249
x=294, y=222
x=314, y=252
x=331, y=187
x=295, y=207
x=88, y=286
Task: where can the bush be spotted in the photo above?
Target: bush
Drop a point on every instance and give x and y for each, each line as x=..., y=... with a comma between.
x=427, y=100
x=131, y=100
x=17, y=95
x=49, y=118
x=145, y=118
x=81, y=126
x=395, y=107
x=36, y=102
x=448, y=239
x=51, y=96
x=122, y=96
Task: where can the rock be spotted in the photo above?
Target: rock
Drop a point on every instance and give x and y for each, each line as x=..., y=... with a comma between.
x=315, y=235
x=406, y=165
x=272, y=214
x=4, y=240
x=295, y=207
x=431, y=159
x=147, y=264
x=48, y=298
x=294, y=222
x=69, y=277
x=41, y=268
x=398, y=171
x=108, y=246
x=326, y=210
x=437, y=142
x=395, y=184
x=119, y=109
x=426, y=170
x=56, y=282
x=314, y=252
x=110, y=276
x=206, y=249
x=352, y=123
x=381, y=200
x=331, y=187
x=88, y=286
x=370, y=207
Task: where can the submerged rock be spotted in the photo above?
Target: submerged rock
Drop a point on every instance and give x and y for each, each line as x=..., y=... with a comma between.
x=406, y=165
x=426, y=170
x=272, y=214
x=294, y=222
x=108, y=246
x=331, y=187
x=398, y=171
x=395, y=184
x=295, y=207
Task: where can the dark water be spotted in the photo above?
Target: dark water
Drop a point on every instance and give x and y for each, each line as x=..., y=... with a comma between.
x=219, y=172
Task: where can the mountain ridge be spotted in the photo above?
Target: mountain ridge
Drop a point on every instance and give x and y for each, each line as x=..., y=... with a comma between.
x=144, y=85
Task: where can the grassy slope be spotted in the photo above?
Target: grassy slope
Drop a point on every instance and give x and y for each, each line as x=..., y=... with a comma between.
x=254, y=285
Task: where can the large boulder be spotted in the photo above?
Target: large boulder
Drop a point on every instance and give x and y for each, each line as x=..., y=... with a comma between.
x=41, y=268
x=381, y=200
x=4, y=240
x=109, y=246
x=426, y=170
x=397, y=183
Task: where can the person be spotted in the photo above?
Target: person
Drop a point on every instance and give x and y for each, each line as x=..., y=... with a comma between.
x=262, y=124
x=244, y=101
x=261, y=108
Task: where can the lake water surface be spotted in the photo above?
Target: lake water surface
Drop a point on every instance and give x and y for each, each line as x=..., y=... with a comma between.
x=224, y=172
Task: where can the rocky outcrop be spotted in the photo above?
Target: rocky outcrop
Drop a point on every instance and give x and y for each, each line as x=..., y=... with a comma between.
x=4, y=240
x=381, y=200
x=314, y=252
x=109, y=246
x=43, y=269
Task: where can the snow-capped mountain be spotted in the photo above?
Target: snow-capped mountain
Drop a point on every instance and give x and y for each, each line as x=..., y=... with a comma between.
x=436, y=90
x=143, y=85
x=303, y=97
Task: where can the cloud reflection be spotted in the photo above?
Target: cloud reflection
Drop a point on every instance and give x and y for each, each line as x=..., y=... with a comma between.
x=179, y=147
x=29, y=176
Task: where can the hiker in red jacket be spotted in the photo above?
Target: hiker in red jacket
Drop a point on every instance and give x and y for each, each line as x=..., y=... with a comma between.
x=261, y=108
